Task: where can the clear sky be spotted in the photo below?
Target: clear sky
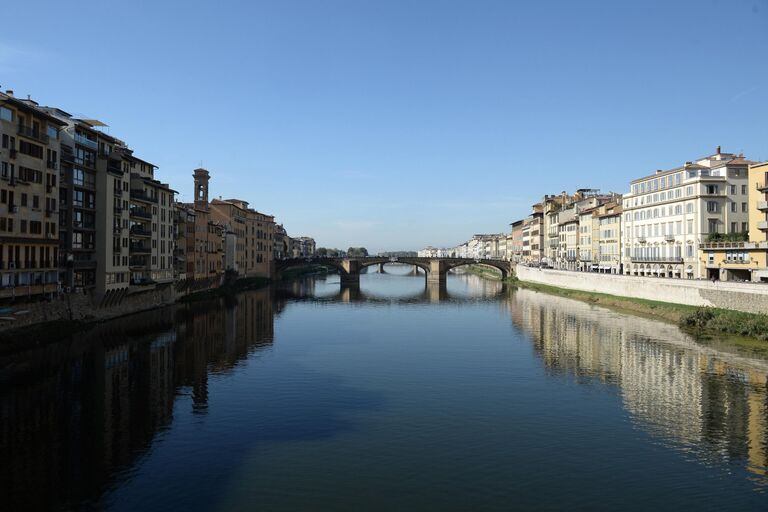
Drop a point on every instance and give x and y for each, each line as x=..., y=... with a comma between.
x=401, y=124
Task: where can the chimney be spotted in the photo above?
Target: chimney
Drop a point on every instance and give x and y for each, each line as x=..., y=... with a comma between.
x=9, y=92
x=717, y=151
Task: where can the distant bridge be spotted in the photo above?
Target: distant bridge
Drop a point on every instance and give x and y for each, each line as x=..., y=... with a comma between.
x=434, y=268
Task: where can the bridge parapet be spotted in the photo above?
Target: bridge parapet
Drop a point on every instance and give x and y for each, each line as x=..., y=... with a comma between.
x=434, y=268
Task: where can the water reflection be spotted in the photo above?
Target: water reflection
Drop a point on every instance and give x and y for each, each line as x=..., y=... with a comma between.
x=708, y=403
x=76, y=413
x=77, y=417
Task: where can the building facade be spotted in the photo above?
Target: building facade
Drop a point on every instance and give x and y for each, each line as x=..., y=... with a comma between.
x=670, y=214
x=29, y=199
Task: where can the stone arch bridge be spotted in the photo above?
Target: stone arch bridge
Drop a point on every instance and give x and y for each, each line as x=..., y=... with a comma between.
x=434, y=268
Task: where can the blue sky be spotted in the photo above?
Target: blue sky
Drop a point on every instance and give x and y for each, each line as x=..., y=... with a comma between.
x=398, y=124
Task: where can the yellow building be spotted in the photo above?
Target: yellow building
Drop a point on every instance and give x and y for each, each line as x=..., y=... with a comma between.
x=747, y=260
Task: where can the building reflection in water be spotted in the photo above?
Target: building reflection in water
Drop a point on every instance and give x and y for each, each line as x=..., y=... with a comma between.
x=73, y=415
x=709, y=403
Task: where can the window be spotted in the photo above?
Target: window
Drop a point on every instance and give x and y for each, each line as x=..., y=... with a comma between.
x=744, y=207
x=712, y=226
x=690, y=227
x=33, y=150
x=35, y=201
x=743, y=189
x=53, y=132
x=733, y=207
x=689, y=208
x=712, y=207
x=6, y=114
x=734, y=227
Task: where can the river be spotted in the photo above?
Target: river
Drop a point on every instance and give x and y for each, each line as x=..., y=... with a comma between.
x=393, y=396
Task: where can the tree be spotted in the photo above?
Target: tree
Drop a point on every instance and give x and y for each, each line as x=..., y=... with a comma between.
x=357, y=252
x=321, y=252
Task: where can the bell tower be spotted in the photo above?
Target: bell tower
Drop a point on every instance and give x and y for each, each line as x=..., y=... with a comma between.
x=201, y=188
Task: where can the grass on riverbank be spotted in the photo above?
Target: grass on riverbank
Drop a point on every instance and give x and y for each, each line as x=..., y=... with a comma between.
x=483, y=271
x=700, y=321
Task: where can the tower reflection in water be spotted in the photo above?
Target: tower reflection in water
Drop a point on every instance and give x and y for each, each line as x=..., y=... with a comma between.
x=708, y=403
x=74, y=415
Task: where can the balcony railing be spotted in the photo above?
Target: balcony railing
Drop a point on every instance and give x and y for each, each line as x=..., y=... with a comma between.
x=656, y=259
x=51, y=164
x=762, y=225
x=138, y=231
x=142, y=214
x=139, y=249
x=32, y=133
x=762, y=205
x=140, y=195
x=85, y=141
x=762, y=187
x=669, y=238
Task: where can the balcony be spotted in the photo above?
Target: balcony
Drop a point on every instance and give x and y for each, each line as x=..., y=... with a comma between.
x=669, y=238
x=139, y=231
x=85, y=162
x=656, y=259
x=117, y=192
x=139, y=248
x=140, y=195
x=762, y=205
x=13, y=153
x=32, y=133
x=85, y=141
x=641, y=239
x=762, y=187
x=51, y=164
x=141, y=214
x=762, y=225
x=118, y=211
x=138, y=262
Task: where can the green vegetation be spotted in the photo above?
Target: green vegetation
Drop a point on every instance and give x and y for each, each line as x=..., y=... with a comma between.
x=730, y=237
x=700, y=321
x=727, y=321
x=325, y=252
x=357, y=252
x=483, y=271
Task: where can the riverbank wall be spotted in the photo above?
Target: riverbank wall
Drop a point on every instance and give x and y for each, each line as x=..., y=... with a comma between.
x=83, y=308
x=745, y=297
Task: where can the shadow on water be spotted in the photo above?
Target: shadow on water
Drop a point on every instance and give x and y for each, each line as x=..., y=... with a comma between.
x=75, y=416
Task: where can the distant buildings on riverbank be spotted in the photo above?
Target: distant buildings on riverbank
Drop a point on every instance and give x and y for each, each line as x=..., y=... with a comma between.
x=80, y=212
x=706, y=219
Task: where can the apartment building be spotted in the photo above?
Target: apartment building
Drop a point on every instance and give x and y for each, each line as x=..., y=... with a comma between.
x=253, y=231
x=606, y=238
x=585, y=252
x=281, y=243
x=738, y=259
x=29, y=207
x=533, y=235
x=302, y=246
x=669, y=215
x=184, y=248
x=151, y=213
x=515, y=242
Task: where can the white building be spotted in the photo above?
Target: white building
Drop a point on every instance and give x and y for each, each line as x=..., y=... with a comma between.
x=669, y=214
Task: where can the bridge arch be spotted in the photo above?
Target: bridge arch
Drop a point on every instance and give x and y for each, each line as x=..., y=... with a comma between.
x=403, y=261
x=285, y=264
x=501, y=266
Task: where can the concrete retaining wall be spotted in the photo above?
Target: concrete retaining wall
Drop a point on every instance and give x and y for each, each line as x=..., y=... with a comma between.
x=83, y=307
x=747, y=297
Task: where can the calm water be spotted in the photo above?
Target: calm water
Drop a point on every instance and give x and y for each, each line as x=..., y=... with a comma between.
x=391, y=397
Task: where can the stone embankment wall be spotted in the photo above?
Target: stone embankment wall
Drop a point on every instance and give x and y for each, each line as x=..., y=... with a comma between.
x=81, y=307
x=747, y=297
